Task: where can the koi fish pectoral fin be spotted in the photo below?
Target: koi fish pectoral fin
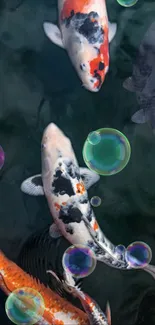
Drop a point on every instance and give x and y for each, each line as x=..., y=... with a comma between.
x=3, y=286
x=53, y=33
x=89, y=177
x=140, y=117
x=112, y=30
x=33, y=186
x=129, y=85
x=54, y=231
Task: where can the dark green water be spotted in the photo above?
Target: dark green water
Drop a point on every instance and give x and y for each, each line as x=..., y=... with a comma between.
x=38, y=85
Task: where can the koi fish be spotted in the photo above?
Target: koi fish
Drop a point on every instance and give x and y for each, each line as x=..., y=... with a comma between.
x=85, y=34
x=65, y=186
x=142, y=81
x=58, y=311
x=92, y=309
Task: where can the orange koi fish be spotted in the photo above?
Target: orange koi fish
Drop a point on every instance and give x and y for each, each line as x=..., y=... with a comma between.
x=58, y=311
x=85, y=33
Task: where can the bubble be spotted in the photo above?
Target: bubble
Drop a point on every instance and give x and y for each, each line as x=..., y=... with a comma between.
x=95, y=201
x=120, y=249
x=2, y=157
x=127, y=3
x=110, y=155
x=79, y=260
x=94, y=137
x=138, y=254
x=24, y=306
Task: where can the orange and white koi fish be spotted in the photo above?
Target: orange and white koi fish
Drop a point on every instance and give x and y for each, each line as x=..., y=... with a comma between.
x=92, y=309
x=85, y=33
x=58, y=311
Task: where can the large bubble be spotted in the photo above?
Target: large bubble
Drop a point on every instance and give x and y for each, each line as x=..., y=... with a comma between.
x=138, y=254
x=2, y=157
x=127, y=3
x=79, y=260
x=110, y=154
x=24, y=306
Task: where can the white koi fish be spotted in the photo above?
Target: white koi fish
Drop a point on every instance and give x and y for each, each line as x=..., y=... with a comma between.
x=85, y=34
x=65, y=186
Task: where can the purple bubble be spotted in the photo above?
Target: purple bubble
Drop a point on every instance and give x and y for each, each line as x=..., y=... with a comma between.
x=138, y=254
x=2, y=157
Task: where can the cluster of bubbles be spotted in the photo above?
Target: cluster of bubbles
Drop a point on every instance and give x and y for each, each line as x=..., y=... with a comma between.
x=25, y=306
x=95, y=201
x=138, y=254
x=106, y=151
x=127, y=3
x=79, y=260
x=2, y=157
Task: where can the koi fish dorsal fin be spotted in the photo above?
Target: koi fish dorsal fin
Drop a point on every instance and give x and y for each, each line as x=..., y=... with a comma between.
x=53, y=33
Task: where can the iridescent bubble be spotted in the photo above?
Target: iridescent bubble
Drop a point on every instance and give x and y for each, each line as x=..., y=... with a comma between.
x=94, y=137
x=24, y=306
x=110, y=155
x=127, y=3
x=138, y=254
x=120, y=249
x=79, y=260
x=95, y=201
x=2, y=157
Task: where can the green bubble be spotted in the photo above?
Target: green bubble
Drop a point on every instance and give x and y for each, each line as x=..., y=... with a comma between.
x=110, y=155
x=127, y=3
x=25, y=306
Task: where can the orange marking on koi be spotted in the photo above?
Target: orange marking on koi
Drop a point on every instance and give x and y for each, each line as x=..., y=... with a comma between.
x=57, y=206
x=80, y=188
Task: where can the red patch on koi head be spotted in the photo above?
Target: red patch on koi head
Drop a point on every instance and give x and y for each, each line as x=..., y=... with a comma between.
x=76, y=6
x=99, y=65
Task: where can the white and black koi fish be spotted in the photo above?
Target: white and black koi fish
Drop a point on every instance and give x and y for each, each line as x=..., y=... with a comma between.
x=65, y=186
x=85, y=33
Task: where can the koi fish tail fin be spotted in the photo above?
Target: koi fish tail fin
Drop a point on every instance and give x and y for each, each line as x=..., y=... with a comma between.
x=150, y=269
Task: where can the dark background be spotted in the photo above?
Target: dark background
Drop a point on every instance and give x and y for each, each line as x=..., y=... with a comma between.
x=38, y=85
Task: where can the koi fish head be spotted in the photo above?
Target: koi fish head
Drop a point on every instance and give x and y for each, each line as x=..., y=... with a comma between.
x=87, y=45
x=57, y=157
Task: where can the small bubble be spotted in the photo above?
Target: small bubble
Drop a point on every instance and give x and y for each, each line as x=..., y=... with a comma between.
x=120, y=249
x=79, y=260
x=95, y=201
x=94, y=137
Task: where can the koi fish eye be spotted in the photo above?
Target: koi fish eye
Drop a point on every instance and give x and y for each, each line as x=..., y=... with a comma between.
x=43, y=146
